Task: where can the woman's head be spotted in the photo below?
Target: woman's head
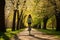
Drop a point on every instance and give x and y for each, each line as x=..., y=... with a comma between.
x=29, y=16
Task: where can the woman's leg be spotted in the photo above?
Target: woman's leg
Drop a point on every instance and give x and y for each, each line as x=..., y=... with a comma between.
x=29, y=29
x=29, y=32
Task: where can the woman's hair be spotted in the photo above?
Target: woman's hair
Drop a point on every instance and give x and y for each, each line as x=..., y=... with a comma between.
x=29, y=16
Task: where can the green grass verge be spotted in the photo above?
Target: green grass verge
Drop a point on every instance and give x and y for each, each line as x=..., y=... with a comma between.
x=8, y=34
x=50, y=32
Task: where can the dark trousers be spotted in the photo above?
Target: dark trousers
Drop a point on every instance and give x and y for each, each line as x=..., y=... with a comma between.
x=29, y=28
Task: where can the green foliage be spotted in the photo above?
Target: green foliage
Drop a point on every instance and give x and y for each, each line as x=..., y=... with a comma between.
x=37, y=8
x=8, y=34
x=51, y=23
x=50, y=32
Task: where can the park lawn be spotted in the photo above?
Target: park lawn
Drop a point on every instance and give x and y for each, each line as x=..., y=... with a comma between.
x=8, y=34
x=50, y=32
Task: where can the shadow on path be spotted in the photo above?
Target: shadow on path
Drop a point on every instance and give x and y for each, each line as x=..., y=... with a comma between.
x=35, y=37
x=39, y=37
x=15, y=37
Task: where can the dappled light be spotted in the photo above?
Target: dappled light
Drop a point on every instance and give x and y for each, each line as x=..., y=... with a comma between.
x=29, y=19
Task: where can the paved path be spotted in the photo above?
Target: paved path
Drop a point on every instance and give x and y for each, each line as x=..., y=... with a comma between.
x=35, y=35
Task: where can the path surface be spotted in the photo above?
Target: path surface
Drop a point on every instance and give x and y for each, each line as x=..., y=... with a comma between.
x=35, y=35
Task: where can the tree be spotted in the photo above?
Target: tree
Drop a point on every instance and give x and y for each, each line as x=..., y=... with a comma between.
x=18, y=18
x=21, y=15
x=45, y=19
x=14, y=16
x=2, y=16
x=14, y=19
x=57, y=14
x=39, y=26
x=45, y=11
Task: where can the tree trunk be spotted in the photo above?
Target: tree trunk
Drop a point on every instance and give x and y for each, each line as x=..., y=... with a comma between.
x=14, y=19
x=20, y=23
x=18, y=20
x=21, y=19
x=45, y=22
x=53, y=22
x=2, y=16
x=39, y=26
x=58, y=22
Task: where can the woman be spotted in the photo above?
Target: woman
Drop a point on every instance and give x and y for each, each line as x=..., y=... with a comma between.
x=29, y=23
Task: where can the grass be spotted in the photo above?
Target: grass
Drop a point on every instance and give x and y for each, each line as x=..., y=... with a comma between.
x=8, y=34
x=50, y=32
